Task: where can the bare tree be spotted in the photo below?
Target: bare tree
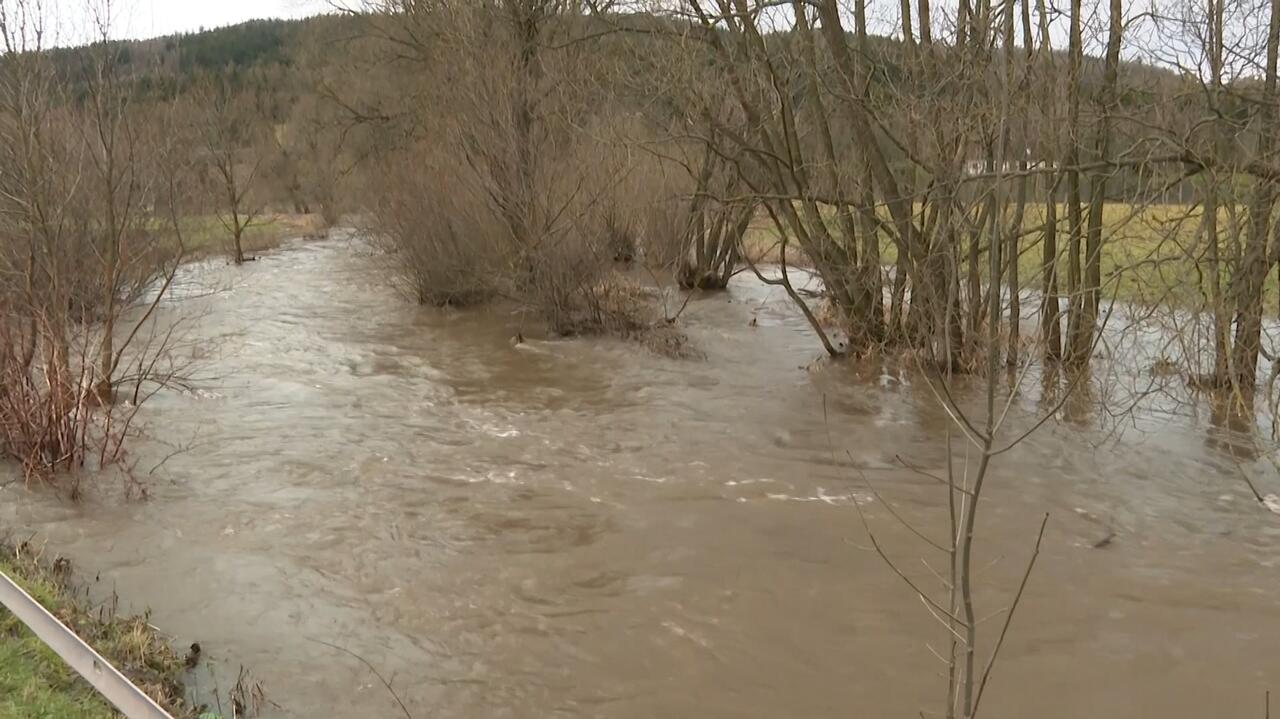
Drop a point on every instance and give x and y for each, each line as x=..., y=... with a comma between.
x=1258, y=254
x=526, y=128
x=231, y=127
x=84, y=175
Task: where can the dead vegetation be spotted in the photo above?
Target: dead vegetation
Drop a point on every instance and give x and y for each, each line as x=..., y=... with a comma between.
x=516, y=185
x=89, y=244
x=443, y=246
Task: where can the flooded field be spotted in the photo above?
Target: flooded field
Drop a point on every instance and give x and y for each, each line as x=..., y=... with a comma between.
x=581, y=528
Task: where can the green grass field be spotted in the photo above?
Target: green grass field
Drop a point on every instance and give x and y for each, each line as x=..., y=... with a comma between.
x=1151, y=255
x=34, y=683
x=207, y=236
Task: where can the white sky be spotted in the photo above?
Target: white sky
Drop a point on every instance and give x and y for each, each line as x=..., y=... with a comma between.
x=71, y=22
x=151, y=18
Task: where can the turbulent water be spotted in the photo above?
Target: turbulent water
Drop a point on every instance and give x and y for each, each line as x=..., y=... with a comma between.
x=581, y=528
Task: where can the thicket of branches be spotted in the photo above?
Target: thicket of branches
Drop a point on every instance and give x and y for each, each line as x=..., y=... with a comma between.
x=1071, y=155
x=993, y=190
x=88, y=247
x=507, y=178
x=912, y=175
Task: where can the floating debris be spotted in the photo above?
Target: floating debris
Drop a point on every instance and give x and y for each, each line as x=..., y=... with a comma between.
x=1272, y=502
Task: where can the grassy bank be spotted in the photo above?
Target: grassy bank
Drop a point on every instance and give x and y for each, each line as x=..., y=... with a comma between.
x=1151, y=255
x=206, y=235
x=34, y=682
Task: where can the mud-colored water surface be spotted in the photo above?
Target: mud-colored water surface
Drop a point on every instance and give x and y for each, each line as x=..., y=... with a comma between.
x=581, y=528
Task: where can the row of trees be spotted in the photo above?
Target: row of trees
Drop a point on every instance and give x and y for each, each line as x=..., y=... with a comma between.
x=984, y=144
x=953, y=154
x=520, y=148
x=103, y=187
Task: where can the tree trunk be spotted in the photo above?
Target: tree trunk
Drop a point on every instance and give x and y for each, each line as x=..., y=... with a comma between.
x=1256, y=258
x=1076, y=354
x=850, y=282
x=1051, y=313
x=1091, y=295
x=1013, y=252
x=1221, y=318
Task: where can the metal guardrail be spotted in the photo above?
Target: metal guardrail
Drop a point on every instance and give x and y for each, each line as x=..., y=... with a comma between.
x=110, y=683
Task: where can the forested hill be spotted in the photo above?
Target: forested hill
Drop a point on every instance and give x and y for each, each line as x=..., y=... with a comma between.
x=273, y=46
x=269, y=47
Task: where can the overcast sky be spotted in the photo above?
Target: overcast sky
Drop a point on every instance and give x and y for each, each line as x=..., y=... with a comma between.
x=149, y=18
x=69, y=22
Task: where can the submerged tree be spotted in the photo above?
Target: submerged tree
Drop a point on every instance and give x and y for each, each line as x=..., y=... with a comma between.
x=519, y=125
x=88, y=183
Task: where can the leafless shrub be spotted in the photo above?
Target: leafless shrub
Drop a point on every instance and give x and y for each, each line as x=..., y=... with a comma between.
x=714, y=243
x=527, y=193
x=620, y=235
x=663, y=224
x=45, y=410
x=442, y=239
x=622, y=308
x=89, y=244
x=679, y=197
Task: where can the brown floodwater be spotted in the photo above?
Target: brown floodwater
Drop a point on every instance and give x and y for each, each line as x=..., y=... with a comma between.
x=580, y=528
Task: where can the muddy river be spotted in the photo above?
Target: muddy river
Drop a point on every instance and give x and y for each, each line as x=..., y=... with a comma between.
x=583, y=529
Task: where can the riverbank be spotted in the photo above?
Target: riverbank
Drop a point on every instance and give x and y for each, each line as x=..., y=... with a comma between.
x=206, y=236
x=34, y=682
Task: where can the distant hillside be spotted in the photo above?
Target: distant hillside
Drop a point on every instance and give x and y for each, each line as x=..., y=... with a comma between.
x=269, y=46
